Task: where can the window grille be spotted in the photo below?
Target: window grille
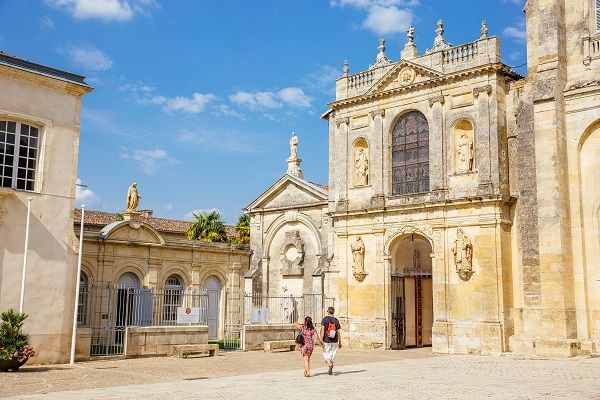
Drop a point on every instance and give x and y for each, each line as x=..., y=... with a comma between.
x=597, y=15
x=19, y=145
x=173, y=298
x=410, y=154
x=83, y=295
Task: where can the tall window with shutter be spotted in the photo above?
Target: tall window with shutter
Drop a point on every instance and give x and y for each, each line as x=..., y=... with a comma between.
x=410, y=154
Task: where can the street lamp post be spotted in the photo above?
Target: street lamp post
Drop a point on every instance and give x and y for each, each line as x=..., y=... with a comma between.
x=26, y=251
x=76, y=306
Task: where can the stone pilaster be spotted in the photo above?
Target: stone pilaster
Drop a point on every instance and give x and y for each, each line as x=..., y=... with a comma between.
x=339, y=156
x=484, y=141
x=376, y=150
x=437, y=171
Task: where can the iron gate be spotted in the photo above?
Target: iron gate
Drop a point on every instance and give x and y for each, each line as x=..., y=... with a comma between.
x=398, y=314
x=234, y=321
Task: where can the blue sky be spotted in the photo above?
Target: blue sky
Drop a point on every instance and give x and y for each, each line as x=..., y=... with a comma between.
x=196, y=100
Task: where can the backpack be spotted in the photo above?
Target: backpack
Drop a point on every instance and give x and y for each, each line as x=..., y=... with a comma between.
x=331, y=332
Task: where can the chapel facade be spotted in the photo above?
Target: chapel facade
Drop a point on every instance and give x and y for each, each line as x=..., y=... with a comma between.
x=462, y=207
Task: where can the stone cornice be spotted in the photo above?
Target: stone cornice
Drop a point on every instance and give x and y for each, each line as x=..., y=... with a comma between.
x=442, y=80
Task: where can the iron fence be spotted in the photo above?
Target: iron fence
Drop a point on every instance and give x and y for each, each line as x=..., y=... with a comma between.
x=108, y=310
x=282, y=309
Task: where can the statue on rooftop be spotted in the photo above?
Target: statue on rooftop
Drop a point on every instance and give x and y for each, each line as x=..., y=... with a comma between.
x=294, y=146
x=133, y=198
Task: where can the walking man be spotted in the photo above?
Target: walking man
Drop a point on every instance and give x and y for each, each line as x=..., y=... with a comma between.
x=332, y=338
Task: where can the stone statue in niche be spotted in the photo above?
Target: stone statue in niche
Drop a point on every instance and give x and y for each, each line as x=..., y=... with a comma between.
x=292, y=254
x=358, y=259
x=463, y=255
x=361, y=167
x=464, y=150
x=133, y=198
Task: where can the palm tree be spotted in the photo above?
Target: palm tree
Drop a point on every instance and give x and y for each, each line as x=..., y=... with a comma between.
x=243, y=229
x=207, y=227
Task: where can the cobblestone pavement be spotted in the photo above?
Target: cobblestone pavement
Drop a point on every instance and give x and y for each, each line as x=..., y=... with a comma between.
x=412, y=374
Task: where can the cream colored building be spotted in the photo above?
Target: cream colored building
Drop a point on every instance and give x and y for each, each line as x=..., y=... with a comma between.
x=39, y=139
x=463, y=202
x=152, y=258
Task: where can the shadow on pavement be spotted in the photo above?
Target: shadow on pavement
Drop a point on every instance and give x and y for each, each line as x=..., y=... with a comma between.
x=342, y=372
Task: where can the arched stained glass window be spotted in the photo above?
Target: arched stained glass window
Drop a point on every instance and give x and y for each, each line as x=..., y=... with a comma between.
x=410, y=154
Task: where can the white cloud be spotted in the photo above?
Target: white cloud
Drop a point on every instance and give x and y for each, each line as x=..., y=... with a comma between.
x=225, y=110
x=517, y=2
x=292, y=96
x=295, y=97
x=89, y=58
x=383, y=16
x=145, y=94
x=46, y=22
x=192, y=105
x=256, y=100
x=104, y=10
x=86, y=196
x=190, y=215
x=168, y=207
x=514, y=32
x=148, y=160
x=386, y=20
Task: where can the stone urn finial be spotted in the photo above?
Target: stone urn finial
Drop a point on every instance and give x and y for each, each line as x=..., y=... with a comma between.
x=484, y=29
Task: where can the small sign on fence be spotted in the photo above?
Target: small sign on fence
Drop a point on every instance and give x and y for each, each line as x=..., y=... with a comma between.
x=188, y=315
x=259, y=316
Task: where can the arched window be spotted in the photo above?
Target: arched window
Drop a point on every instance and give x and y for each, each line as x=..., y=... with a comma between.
x=173, y=298
x=410, y=154
x=19, y=144
x=83, y=296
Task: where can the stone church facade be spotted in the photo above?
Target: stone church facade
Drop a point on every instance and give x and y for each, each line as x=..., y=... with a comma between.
x=462, y=207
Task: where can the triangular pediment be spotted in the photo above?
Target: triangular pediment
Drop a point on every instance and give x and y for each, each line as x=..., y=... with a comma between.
x=289, y=191
x=403, y=74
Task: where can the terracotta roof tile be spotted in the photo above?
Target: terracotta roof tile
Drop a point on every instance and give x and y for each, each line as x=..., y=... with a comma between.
x=324, y=187
x=103, y=218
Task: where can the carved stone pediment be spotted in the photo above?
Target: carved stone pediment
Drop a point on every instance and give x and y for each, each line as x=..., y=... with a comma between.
x=403, y=74
x=292, y=254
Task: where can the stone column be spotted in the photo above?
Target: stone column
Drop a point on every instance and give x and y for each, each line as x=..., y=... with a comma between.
x=437, y=171
x=377, y=153
x=486, y=144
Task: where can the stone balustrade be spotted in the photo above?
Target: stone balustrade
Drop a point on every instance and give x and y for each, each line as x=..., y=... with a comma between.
x=445, y=60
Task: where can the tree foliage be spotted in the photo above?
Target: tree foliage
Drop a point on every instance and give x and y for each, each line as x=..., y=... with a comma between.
x=207, y=227
x=243, y=229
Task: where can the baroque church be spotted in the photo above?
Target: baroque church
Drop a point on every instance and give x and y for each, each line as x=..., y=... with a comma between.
x=462, y=210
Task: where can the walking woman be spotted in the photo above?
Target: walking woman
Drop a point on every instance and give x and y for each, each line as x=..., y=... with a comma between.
x=307, y=330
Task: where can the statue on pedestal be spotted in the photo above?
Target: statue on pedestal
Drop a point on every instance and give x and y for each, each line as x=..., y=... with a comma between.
x=294, y=146
x=358, y=259
x=463, y=255
x=133, y=198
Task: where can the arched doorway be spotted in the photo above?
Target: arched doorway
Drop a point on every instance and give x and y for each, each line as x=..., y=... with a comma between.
x=411, y=292
x=127, y=286
x=212, y=285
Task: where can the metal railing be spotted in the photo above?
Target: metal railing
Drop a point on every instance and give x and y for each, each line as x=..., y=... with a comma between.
x=284, y=309
x=109, y=309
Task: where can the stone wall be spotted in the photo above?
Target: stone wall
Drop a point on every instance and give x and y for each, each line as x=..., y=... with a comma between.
x=159, y=340
x=255, y=335
x=83, y=343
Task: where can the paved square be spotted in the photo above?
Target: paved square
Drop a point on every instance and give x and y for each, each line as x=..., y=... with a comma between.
x=411, y=374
